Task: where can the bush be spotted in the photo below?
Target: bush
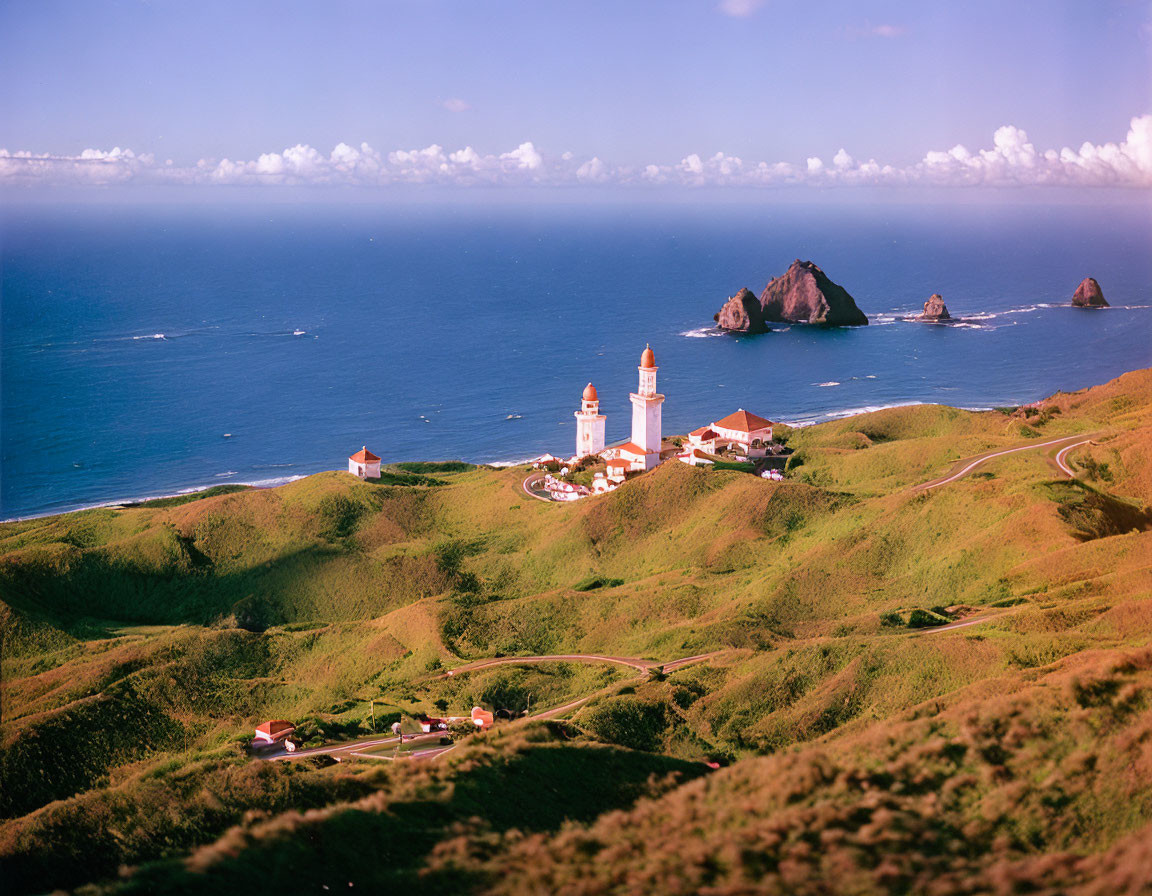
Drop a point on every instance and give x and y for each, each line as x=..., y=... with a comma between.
x=593, y=582
x=629, y=721
x=435, y=466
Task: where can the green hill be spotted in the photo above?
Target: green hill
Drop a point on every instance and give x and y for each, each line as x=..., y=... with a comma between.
x=140, y=645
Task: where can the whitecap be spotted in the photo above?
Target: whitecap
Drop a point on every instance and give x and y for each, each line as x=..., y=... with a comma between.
x=226, y=475
x=511, y=463
x=703, y=332
x=514, y=417
x=869, y=409
x=299, y=332
x=152, y=336
x=825, y=385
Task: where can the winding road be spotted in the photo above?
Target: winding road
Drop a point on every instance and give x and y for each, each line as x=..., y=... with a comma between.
x=357, y=747
x=968, y=465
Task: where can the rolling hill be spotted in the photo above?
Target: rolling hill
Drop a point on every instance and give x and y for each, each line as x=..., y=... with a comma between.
x=872, y=743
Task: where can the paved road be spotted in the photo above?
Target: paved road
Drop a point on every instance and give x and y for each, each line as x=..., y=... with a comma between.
x=966, y=466
x=356, y=747
x=532, y=480
x=1063, y=453
x=350, y=747
x=955, y=625
x=640, y=665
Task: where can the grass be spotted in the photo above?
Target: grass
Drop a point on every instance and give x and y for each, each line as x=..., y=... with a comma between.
x=140, y=645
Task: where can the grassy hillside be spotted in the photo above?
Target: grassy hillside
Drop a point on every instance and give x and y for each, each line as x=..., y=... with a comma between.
x=141, y=644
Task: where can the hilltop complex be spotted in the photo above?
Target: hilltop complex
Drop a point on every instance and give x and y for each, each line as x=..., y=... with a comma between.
x=741, y=436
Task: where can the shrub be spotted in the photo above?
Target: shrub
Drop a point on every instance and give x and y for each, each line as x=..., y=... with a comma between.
x=629, y=721
x=593, y=582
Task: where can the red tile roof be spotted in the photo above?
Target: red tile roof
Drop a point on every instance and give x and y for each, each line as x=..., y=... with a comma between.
x=364, y=456
x=704, y=433
x=275, y=727
x=631, y=448
x=742, y=421
x=619, y=462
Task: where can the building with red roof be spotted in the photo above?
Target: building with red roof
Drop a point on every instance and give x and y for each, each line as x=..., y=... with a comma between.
x=750, y=434
x=364, y=464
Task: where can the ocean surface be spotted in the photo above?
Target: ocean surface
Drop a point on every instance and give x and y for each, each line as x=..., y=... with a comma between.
x=149, y=350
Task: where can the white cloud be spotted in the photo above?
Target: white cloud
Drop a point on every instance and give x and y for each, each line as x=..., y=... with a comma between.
x=739, y=9
x=1011, y=160
x=593, y=171
x=889, y=30
x=524, y=156
x=454, y=104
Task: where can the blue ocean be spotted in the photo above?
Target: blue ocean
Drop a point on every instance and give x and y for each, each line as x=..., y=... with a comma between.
x=153, y=349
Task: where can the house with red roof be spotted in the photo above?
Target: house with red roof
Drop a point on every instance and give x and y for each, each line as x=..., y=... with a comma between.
x=364, y=464
x=274, y=732
x=745, y=432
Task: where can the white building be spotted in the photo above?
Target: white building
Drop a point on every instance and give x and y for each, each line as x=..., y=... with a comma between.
x=703, y=439
x=749, y=434
x=644, y=448
x=364, y=464
x=589, y=424
x=618, y=469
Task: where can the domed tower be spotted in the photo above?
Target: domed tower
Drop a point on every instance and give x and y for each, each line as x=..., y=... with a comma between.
x=646, y=402
x=589, y=424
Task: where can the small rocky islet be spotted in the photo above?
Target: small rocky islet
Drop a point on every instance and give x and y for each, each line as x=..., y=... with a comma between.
x=935, y=309
x=1089, y=295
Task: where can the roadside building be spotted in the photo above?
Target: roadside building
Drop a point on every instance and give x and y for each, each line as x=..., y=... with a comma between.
x=364, y=464
x=274, y=732
x=482, y=718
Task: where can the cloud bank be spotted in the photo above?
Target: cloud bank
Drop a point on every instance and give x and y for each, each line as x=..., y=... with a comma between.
x=1010, y=161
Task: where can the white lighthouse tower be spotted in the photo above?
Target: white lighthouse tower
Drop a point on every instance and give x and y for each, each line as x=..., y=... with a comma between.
x=646, y=403
x=589, y=424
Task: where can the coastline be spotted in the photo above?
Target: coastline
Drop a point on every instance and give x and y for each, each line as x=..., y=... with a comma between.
x=504, y=463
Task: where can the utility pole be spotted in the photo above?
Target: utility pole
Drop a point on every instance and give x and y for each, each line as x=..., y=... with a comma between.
x=372, y=705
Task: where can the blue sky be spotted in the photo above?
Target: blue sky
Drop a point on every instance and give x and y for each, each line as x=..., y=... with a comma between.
x=629, y=84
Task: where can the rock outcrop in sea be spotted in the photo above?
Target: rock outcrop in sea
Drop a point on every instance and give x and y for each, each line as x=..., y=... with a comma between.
x=1089, y=295
x=935, y=309
x=804, y=294
x=742, y=313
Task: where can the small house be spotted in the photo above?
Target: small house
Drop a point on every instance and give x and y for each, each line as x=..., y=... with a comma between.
x=273, y=732
x=364, y=464
x=482, y=718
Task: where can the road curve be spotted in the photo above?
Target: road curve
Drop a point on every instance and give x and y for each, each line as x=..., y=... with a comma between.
x=631, y=662
x=966, y=466
x=1063, y=453
x=532, y=478
x=951, y=627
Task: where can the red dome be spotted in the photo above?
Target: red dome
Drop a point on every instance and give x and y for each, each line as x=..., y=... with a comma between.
x=590, y=393
x=648, y=359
